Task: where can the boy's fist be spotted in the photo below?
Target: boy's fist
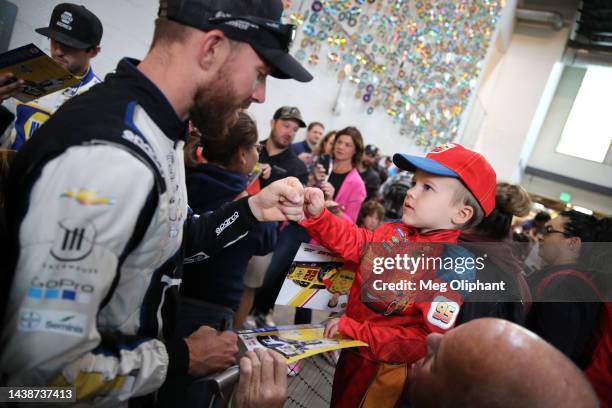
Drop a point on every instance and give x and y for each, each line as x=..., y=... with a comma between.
x=314, y=202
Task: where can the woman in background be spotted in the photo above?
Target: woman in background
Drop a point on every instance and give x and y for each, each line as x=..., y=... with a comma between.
x=344, y=188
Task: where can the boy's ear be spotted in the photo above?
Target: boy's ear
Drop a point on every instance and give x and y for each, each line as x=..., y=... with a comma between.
x=463, y=215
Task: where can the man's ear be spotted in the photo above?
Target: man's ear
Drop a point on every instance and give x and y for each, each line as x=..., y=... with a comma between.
x=463, y=215
x=574, y=244
x=214, y=49
x=94, y=51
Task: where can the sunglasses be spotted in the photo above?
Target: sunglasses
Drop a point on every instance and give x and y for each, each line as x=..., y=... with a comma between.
x=284, y=33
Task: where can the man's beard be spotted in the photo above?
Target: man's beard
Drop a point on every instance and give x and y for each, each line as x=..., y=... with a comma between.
x=214, y=110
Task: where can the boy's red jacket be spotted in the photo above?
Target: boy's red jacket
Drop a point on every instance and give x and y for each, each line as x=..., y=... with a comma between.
x=394, y=329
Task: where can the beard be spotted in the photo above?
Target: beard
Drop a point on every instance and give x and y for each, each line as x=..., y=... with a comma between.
x=216, y=108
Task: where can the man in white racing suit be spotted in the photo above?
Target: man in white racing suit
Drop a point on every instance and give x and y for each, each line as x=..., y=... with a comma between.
x=97, y=208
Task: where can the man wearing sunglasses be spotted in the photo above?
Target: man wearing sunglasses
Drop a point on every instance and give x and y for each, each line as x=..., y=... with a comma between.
x=99, y=220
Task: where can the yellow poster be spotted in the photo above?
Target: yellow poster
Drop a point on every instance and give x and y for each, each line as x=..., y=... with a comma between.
x=316, y=280
x=40, y=73
x=294, y=342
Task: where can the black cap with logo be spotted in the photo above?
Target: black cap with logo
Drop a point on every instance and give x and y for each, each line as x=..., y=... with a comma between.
x=74, y=26
x=257, y=23
x=371, y=150
x=289, y=113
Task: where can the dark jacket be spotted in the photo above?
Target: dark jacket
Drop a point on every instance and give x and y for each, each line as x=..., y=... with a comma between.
x=500, y=265
x=565, y=311
x=371, y=179
x=301, y=147
x=285, y=164
x=219, y=280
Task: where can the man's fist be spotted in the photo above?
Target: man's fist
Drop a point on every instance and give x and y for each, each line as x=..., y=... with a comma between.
x=280, y=201
x=210, y=350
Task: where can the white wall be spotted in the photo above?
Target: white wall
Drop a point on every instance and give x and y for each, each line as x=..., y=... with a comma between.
x=512, y=93
x=316, y=99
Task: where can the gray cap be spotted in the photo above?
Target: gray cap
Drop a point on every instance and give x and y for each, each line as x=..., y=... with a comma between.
x=289, y=113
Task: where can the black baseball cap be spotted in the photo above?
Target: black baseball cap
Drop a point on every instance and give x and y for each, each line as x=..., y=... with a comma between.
x=371, y=150
x=289, y=113
x=257, y=23
x=74, y=26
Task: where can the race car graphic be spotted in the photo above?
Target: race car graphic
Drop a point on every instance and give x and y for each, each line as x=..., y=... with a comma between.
x=316, y=276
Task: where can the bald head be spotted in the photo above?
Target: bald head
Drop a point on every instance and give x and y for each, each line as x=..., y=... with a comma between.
x=495, y=363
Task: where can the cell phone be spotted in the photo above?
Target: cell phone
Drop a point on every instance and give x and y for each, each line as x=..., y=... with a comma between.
x=325, y=161
x=279, y=170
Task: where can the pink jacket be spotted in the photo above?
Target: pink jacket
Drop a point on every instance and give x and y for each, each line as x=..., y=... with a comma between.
x=351, y=195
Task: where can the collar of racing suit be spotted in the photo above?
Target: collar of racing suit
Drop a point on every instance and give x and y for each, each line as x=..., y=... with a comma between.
x=150, y=97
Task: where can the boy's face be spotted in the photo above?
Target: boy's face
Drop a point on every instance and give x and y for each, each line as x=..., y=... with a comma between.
x=429, y=203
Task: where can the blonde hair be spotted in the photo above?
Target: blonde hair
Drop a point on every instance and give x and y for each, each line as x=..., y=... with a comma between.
x=464, y=196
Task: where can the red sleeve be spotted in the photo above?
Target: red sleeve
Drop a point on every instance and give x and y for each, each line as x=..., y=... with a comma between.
x=398, y=344
x=338, y=235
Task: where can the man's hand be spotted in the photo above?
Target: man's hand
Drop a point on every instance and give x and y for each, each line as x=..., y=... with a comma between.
x=314, y=202
x=305, y=157
x=263, y=380
x=8, y=86
x=266, y=171
x=331, y=327
x=280, y=201
x=210, y=350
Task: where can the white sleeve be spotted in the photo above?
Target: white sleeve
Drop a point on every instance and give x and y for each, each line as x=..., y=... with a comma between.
x=82, y=211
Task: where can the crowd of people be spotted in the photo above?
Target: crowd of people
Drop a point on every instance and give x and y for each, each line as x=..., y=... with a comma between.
x=145, y=222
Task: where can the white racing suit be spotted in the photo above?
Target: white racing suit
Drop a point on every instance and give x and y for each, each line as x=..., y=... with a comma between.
x=99, y=223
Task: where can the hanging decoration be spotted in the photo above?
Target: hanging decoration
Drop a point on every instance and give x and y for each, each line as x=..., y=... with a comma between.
x=416, y=60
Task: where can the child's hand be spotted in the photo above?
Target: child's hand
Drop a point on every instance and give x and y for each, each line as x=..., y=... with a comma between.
x=314, y=202
x=331, y=327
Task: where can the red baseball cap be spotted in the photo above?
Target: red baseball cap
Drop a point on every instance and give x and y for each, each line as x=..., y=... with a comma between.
x=454, y=160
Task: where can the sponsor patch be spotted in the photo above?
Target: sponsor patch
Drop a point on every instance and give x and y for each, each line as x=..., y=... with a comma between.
x=442, y=148
x=87, y=197
x=74, y=241
x=66, y=20
x=227, y=223
x=60, y=289
x=199, y=257
x=443, y=312
x=56, y=321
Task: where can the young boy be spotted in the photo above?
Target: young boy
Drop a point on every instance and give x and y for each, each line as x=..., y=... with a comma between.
x=453, y=188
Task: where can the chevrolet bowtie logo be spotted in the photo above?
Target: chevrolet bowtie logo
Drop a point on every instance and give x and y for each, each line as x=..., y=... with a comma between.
x=88, y=197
